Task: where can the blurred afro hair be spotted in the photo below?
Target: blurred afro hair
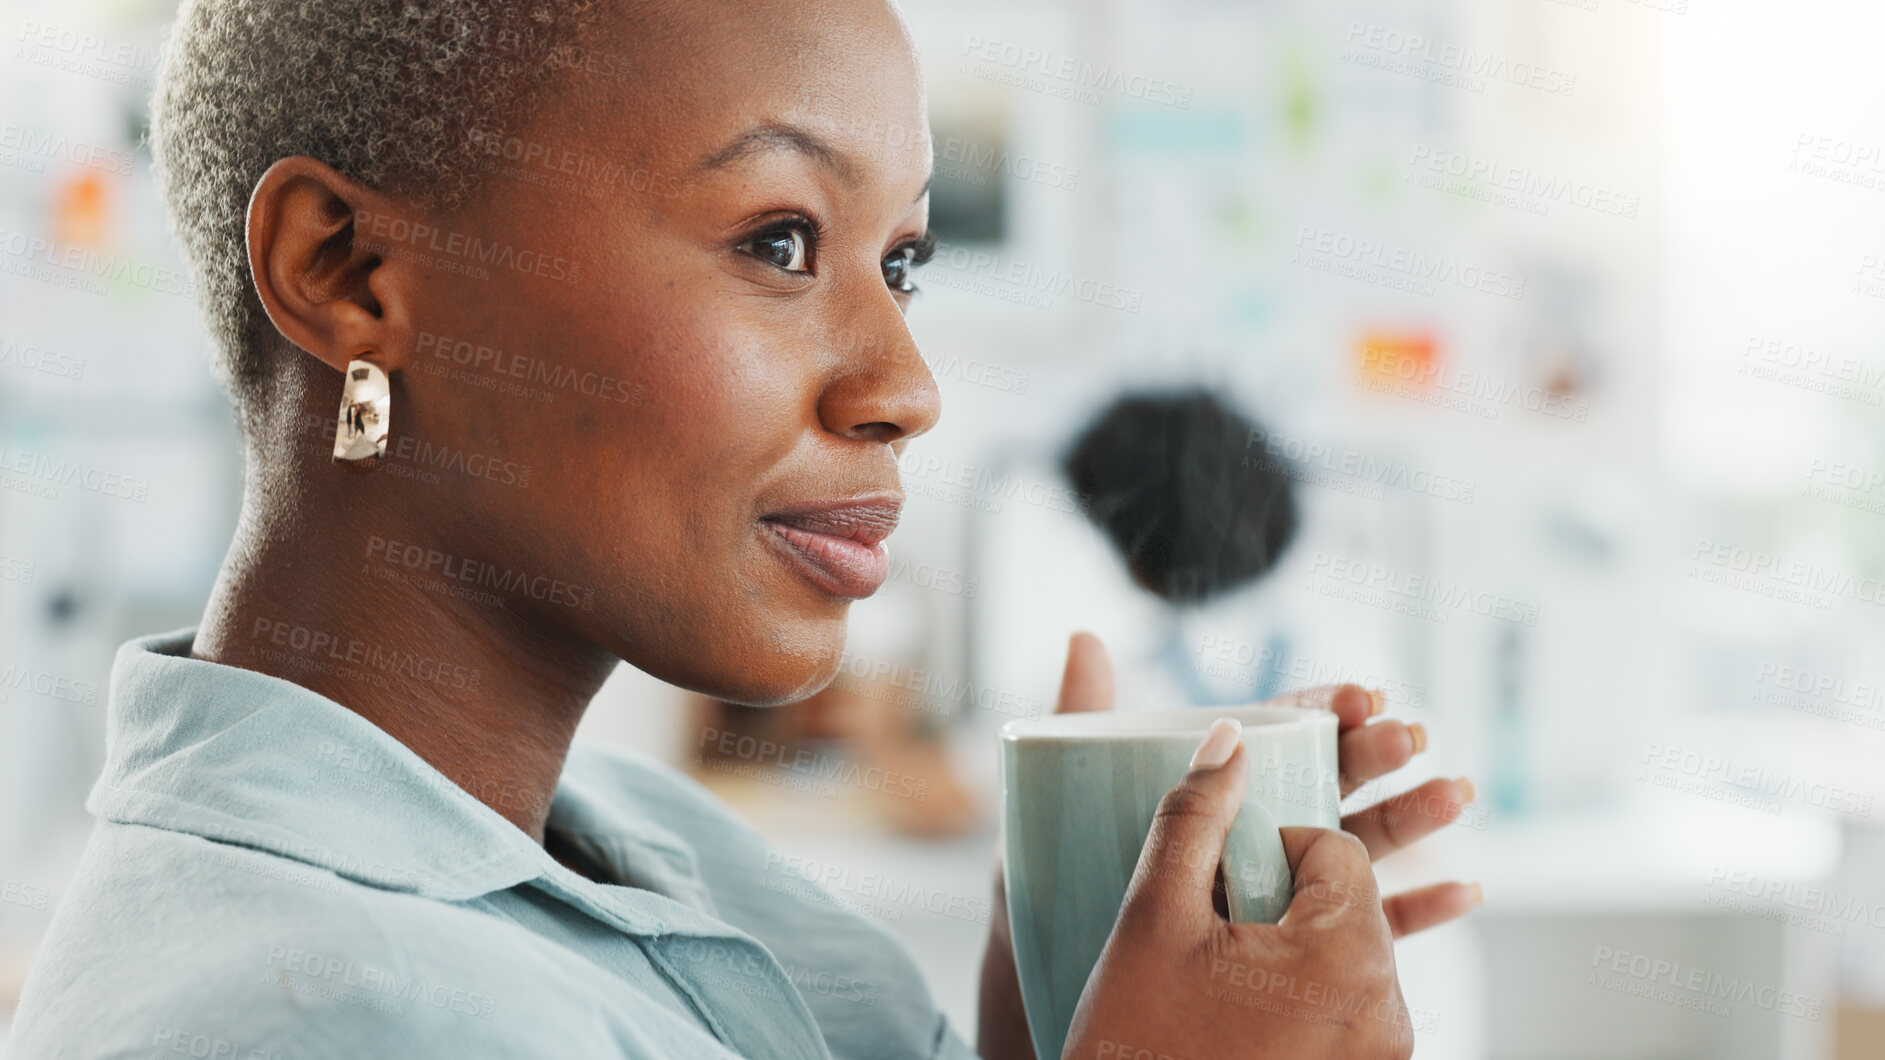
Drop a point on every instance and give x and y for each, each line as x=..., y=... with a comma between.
x=1186, y=490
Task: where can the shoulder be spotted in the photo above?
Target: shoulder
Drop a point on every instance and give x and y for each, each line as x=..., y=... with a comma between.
x=859, y=979
x=168, y=941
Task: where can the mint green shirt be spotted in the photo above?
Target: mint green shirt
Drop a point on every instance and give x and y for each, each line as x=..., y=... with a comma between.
x=272, y=876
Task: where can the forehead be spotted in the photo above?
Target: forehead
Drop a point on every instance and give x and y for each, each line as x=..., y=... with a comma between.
x=703, y=76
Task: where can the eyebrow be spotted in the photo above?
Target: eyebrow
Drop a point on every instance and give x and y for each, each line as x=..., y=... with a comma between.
x=774, y=136
x=777, y=136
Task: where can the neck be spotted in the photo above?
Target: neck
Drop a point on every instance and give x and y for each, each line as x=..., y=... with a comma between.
x=484, y=689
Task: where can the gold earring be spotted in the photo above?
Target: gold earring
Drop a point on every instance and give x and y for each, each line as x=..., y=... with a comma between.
x=366, y=408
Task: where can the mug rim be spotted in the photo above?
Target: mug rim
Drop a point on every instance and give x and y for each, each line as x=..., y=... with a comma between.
x=1087, y=725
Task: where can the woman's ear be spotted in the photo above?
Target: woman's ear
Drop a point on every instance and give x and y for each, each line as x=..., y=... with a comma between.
x=327, y=290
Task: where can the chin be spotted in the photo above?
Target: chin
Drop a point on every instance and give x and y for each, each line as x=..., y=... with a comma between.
x=777, y=666
x=779, y=689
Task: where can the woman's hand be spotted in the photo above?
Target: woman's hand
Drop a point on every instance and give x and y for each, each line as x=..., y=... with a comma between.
x=1367, y=751
x=1177, y=980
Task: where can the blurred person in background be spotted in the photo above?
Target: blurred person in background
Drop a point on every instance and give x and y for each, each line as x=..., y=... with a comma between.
x=346, y=815
x=1171, y=480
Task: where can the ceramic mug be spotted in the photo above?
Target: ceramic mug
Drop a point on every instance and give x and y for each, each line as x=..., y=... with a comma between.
x=1078, y=795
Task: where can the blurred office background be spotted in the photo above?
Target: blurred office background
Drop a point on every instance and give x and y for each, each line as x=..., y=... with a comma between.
x=1569, y=316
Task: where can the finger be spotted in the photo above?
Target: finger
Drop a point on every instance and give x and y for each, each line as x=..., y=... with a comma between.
x=1391, y=825
x=1087, y=682
x=1170, y=893
x=1333, y=877
x=1421, y=909
x=1351, y=704
x=1376, y=750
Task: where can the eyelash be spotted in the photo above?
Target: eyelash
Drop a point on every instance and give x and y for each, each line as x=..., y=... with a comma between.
x=921, y=249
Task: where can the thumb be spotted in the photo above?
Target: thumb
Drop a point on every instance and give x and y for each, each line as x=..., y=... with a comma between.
x=1087, y=683
x=1333, y=877
x=1171, y=888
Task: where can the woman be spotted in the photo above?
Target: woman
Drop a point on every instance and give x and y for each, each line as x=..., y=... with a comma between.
x=621, y=288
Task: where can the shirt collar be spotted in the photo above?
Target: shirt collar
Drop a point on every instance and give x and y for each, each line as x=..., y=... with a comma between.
x=242, y=757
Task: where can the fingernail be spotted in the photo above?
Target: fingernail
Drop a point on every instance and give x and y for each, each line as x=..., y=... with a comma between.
x=1220, y=742
x=1377, y=701
x=1479, y=894
x=1419, y=733
x=1467, y=792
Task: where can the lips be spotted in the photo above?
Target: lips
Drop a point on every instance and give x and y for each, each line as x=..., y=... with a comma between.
x=838, y=546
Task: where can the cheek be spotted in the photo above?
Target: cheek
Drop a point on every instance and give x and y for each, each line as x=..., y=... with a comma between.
x=722, y=404
x=676, y=481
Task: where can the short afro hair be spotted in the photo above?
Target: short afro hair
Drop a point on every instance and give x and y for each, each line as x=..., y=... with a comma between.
x=1186, y=490
x=396, y=94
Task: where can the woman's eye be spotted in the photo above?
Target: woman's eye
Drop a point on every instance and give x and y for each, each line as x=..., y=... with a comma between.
x=785, y=249
x=902, y=262
x=897, y=270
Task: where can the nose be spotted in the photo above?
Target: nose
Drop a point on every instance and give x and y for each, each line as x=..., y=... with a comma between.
x=883, y=391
